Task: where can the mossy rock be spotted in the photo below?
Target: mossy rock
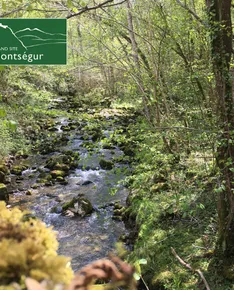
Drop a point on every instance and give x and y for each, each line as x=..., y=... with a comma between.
x=128, y=151
x=60, y=179
x=85, y=137
x=80, y=206
x=106, y=164
x=63, y=167
x=52, y=129
x=18, y=169
x=73, y=126
x=63, y=161
x=41, y=180
x=58, y=173
x=117, y=205
x=58, y=159
x=29, y=192
x=4, y=168
x=108, y=146
x=96, y=136
x=2, y=177
x=3, y=192
x=65, y=128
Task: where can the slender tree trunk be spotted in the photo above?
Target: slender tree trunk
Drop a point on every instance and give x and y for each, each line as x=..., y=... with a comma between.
x=136, y=59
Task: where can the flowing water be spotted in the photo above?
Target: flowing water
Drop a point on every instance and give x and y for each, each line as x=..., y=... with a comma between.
x=83, y=239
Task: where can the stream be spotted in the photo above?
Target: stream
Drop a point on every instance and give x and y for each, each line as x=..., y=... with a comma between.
x=83, y=239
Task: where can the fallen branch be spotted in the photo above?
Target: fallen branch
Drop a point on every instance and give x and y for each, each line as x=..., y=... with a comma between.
x=188, y=266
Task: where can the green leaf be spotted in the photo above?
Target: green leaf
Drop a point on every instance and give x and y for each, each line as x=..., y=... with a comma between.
x=75, y=10
x=4, y=7
x=2, y=68
x=136, y=276
x=83, y=3
x=201, y=206
x=12, y=125
x=2, y=113
x=69, y=3
x=142, y=262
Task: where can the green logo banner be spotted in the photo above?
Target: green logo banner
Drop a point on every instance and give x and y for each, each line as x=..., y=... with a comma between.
x=33, y=41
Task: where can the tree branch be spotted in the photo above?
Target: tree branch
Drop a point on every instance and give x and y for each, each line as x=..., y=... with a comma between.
x=100, y=5
x=13, y=11
x=191, y=12
x=49, y=11
x=188, y=266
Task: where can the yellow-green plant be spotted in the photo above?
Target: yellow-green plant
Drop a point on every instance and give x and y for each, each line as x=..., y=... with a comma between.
x=28, y=249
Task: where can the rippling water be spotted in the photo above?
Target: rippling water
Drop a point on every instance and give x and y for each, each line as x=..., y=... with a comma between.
x=94, y=236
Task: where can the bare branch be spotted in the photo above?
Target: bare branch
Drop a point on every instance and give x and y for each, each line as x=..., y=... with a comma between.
x=100, y=5
x=188, y=266
x=191, y=12
x=13, y=11
x=49, y=11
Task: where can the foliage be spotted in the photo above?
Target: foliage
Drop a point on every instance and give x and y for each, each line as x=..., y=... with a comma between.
x=172, y=202
x=28, y=249
x=156, y=57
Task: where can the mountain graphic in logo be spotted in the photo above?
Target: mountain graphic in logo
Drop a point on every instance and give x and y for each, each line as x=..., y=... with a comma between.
x=33, y=41
x=10, y=38
x=36, y=37
x=33, y=37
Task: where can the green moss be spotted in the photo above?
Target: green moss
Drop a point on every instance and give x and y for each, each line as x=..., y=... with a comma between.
x=18, y=169
x=4, y=169
x=3, y=192
x=80, y=206
x=57, y=173
x=162, y=278
x=63, y=167
x=106, y=164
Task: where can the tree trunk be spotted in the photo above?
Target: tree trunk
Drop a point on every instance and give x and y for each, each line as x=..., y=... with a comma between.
x=221, y=45
x=136, y=61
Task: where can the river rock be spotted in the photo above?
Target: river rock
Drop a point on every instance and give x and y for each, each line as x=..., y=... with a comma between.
x=3, y=192
x=96, y=136
x=63, y=167
x=79, y=206
x=52, y=129
x=18, y=169
x=87, y=182
x=106, y=164
x=4, y=168
x=29, y=192
x=57, y=173
x=2, y=177
x=63, y=162
x=108, y=146
x=65, y=128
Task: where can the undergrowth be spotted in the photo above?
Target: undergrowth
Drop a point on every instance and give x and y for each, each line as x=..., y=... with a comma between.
x=173, y=200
